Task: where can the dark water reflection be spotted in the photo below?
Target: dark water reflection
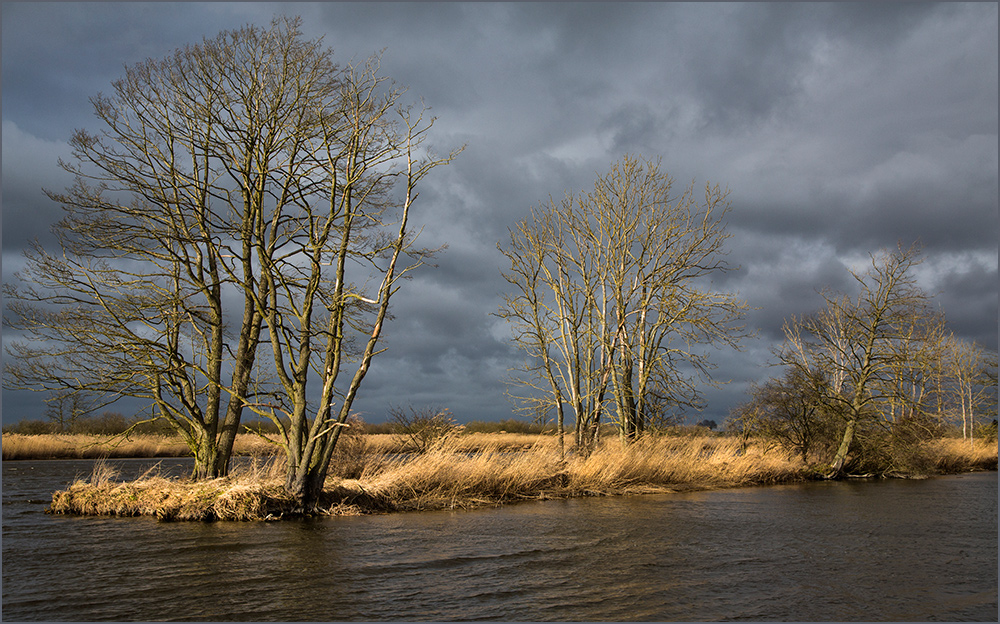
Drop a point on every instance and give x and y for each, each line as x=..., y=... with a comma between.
x=892, y=550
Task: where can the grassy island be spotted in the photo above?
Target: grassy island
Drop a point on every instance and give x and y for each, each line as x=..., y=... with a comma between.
x=461, y=472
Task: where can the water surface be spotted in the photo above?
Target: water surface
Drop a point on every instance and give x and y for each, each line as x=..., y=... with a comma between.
x=876, y=550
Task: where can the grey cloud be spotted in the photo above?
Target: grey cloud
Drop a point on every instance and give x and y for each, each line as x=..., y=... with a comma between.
x=28, y=168
x=839, y=129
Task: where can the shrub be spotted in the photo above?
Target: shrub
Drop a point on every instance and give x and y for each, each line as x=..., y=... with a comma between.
x=986, y=431
x=423, y=427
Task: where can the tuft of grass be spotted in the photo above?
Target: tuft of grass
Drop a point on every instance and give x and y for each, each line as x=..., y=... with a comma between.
x=249, y=493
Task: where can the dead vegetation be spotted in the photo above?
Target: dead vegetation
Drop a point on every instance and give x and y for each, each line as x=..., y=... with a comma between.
x=952, y=455
x=370, y=474
x=253, y=492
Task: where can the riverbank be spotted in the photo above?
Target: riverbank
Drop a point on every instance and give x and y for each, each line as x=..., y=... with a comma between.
x=452, y=477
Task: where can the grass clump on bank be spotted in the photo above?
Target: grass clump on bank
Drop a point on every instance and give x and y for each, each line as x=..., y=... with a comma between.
x=952, y=455
x=250, y=493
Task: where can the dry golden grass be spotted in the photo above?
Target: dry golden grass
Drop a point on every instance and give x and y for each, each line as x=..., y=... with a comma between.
x=957, y=455
x=464, y=472
x=80, y=446
x=450, y=476
x=694, y=462
x=469, y=442
x=252, y=492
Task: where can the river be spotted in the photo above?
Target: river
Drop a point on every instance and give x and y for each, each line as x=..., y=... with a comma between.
x=874, y=551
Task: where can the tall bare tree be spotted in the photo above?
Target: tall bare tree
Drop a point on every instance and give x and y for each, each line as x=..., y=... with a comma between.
x=609, y=301
x=969, y=386
x=225, y=177
x=862, y=344
x=329, y=272
x=66, y=408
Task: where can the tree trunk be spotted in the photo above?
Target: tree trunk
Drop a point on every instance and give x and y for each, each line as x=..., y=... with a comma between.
x=837, y=468
x=305, y=486
x=205, y=459
x=562, y=437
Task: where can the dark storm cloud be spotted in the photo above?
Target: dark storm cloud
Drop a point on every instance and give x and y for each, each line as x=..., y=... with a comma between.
x=839, y=129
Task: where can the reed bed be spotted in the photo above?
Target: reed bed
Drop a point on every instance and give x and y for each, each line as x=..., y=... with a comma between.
x=371, y=476
x=682, y=463
x=82, y=446
x=448, y=476
x=958, y=455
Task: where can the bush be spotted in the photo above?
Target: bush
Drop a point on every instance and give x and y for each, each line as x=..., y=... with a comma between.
x=380, y=428
x=423, y=427
x=899, y=447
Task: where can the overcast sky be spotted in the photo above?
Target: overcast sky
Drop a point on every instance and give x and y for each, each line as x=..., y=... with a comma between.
x=839, y=129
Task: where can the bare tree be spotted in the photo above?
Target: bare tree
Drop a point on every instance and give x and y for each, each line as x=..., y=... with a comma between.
x=66, y=408
x=970, y=387
x=228, y=176
x=334, y=258
x=609, y=301
x=862, y=344
x=790, y=411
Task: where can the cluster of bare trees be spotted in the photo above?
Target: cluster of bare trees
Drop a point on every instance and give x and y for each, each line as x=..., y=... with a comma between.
x=237, y=229
x=232, y=240
x=609, y=300
x=869, y=375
